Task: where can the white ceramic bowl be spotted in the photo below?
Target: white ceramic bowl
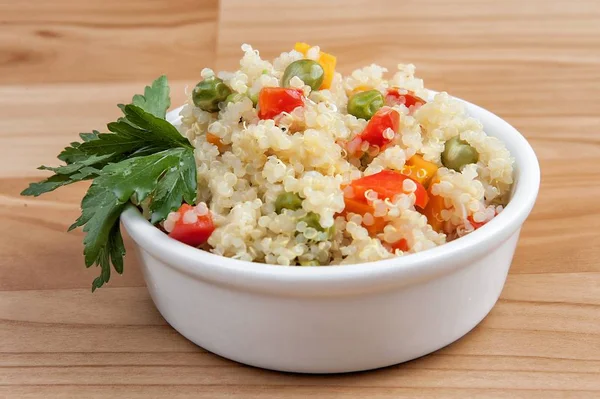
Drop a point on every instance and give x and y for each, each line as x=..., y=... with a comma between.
x=339, y=318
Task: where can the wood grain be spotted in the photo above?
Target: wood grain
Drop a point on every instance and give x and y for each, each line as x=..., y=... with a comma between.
x=104, y=40
x=63, y=66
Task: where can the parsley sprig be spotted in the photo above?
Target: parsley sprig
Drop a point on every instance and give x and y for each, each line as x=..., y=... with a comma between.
x=142, y=158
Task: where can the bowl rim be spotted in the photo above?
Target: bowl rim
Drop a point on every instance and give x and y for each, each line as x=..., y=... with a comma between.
x=351, y=277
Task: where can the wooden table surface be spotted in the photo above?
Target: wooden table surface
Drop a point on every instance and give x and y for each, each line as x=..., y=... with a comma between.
x=65, y=64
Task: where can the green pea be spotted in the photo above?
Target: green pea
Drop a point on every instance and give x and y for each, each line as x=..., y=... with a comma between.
x=253, y=98
x=364, y=104
x=234, y=98
x=313, y=220
x=458, y=153
x=287, y=200
x=209, y=93
x=311, y=73
x=309, y=263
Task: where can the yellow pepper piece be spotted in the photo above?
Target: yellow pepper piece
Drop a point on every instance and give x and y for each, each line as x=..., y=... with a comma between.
x=302, y=47
x=327, y=61
x=419, y=169
x=360, y=88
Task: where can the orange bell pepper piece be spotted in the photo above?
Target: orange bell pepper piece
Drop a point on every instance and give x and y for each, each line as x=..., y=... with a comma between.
x=360, y=208
x=215, y=140
x=433, y=210
x=420, y=170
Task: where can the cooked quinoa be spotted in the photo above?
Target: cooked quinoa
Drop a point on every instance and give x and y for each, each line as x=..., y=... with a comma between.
x=283, y=189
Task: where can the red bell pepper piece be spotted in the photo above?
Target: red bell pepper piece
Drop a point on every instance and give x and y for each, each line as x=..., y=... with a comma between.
x=477, y=225
x=401, y=244
x=387, y=184
x=383, y=119
x=272, y=101
x=409, y=99
x=194, y=234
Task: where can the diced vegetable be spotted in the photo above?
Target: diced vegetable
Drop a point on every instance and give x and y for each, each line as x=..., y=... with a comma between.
x=311, y=73
x=434, y=208
x=360, y=88
x=195, y=233
x=433, y=212
x=458, y=153
x=361, y=207
x=327, y=61
x=234, y=98
x=302, y=47
x=376, y=132
x=401, y=244
x=309, y=263
x=254, y=98
x=409, y=99
x=387, y=184
x=209, y=93
x=272, y=101
x=314, y=220
x=287, y=200
x=357, y=205
x=365, y=104
x=215, y=140
x=420, y=170
x=475, y=224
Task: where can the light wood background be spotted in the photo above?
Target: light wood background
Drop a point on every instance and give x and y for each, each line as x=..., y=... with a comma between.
x=64, y=64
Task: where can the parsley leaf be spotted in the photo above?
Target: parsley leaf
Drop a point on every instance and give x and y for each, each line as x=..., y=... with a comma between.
x=63, y=175
x=156, y=98
x=167, y=176
x=115, y=251
x=47, y=185
x=141, y=132
x=73, y=154
x=142, y=158
x=177, y=185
